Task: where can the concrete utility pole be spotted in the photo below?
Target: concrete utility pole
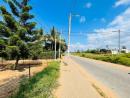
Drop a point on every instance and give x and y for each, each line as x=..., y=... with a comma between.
x=70, y=19
x=119, y=40
x=60, y=45
x=55, y=46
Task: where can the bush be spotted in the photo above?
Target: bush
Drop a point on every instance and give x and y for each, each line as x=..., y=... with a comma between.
x=128, y=55
x=83, y=55
x=124, y=61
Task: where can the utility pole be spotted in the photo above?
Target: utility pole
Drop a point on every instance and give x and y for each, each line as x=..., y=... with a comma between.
x=60, y=45
x=70, y=19
x=119, y=31
x=55, y=46
x=119, y=40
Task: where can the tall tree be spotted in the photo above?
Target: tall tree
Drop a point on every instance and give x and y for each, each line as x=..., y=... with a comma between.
x=60, y=43
x=17, y=28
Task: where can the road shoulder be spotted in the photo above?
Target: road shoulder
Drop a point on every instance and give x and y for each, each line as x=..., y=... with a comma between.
x=99, y=86
x=73, y=84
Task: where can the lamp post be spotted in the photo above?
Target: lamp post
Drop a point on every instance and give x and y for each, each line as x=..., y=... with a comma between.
x=119, y=40
x=70, y=21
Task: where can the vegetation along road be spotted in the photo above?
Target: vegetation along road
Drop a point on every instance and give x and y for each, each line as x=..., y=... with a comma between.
x=117, y=78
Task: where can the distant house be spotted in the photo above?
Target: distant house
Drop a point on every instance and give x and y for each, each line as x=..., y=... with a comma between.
x=115, y=51
x=125, y=51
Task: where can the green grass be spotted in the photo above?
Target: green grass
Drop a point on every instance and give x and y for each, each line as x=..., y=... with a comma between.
x=123, y=59
x=41, y=85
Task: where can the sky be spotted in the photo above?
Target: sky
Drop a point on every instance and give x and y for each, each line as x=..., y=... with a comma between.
x=93, y=29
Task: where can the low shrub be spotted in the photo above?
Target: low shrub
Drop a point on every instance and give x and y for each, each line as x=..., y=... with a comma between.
x=124, y=61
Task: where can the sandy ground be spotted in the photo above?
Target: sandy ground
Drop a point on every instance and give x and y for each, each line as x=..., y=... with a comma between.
x=9, y=79
x=73, y=84
x=6, y=75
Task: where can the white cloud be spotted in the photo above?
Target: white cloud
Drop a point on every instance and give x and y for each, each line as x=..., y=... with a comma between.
x=88, y=5
x=122, y=2
x=105, y=36
x=122, y=21
x=78, y=46
x=82, y=19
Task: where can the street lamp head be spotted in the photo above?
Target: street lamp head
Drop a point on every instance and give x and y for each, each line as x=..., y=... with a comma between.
x=76, y=15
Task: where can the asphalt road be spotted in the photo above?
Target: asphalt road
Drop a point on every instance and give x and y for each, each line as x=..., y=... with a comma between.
x=114, y=78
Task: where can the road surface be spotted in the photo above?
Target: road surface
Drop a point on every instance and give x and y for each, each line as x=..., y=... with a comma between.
x=113, y=77
x=70, y=86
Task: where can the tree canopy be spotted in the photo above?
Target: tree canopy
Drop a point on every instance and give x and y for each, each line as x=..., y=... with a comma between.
x=19, y=37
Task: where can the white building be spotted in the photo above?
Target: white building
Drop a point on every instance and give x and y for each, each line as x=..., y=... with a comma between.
x=125, y=50
x=115, y=51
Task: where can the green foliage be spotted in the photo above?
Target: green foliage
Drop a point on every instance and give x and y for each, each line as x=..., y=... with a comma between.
x=118, y=59
x=50, y=41
x=14, y=40
x=4, y=31
x=2, y=42
x=24, y=49
x=124, y=61
x=36, y=50
x=12, y=51
x=19, y=34
x=41, y=85
x=13, y=8
x=17, y=30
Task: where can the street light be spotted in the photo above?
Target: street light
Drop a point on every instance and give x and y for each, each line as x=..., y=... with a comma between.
x=70, y=20
x=119, y=42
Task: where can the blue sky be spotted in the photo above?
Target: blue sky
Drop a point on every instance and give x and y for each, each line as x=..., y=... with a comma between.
x=96, y=15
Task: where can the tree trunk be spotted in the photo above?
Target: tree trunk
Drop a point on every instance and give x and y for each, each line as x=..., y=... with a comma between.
x=16, y=63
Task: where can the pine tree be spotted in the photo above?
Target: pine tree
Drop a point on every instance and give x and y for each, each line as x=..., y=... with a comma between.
x=17, y=30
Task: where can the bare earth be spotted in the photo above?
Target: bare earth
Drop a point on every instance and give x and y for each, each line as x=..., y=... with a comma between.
x=73, y=84
x=8, y=74
x=9, y=79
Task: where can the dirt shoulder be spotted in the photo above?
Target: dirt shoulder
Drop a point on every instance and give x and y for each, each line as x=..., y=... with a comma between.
x=73, y=84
